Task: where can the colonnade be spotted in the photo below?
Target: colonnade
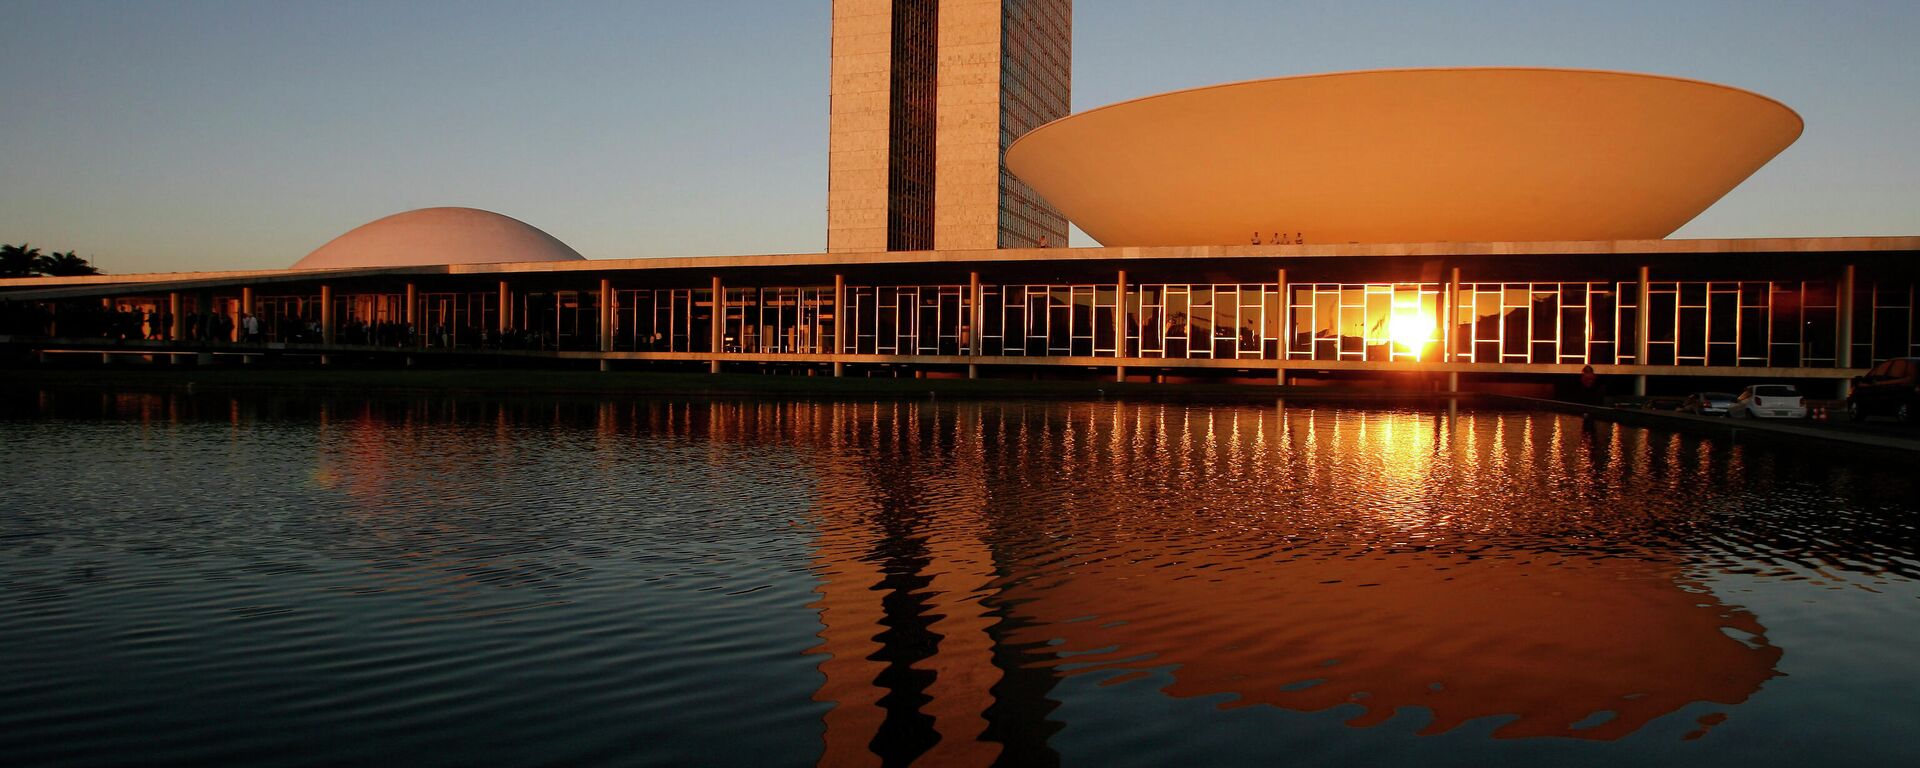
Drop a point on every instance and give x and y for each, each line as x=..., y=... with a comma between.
x=1447, y=304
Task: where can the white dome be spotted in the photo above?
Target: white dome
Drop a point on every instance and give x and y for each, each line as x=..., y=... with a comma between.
x=438, y=236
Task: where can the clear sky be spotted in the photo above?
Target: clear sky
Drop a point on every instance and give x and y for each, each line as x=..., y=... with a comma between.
x=195, y=134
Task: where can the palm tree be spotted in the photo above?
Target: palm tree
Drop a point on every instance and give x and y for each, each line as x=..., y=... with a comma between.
x=67, y=264
x=18, y=260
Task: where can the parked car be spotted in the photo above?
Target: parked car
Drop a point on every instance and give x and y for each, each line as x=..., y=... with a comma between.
x=1709, y=403
x=1769, y=401
x=1891, y=388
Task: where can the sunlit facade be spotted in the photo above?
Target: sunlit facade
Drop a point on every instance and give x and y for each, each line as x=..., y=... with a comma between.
x=926, y=97
x=1818, y=309
x=1303, y=229
x=1489, y=154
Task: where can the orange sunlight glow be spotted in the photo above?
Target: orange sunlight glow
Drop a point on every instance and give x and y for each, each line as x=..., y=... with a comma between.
x=1411, y=329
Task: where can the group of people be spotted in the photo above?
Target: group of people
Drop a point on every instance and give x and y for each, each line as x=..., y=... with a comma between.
x=772, y=338
x=132, y=323
x=438, y=336
x=211, y=327
x=90, y=320
x=357, y=331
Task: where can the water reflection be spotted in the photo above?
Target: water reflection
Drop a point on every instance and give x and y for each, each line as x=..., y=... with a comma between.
x=965, y=561
x=1307, y=560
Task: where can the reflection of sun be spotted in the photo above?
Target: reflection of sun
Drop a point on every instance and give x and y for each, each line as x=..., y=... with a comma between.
x=1411, y=328
x=325, y=477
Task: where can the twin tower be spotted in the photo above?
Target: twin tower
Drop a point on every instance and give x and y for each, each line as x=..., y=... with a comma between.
x=926, y=97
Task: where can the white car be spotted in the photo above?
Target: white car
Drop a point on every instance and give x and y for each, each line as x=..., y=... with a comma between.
x=1769, y=401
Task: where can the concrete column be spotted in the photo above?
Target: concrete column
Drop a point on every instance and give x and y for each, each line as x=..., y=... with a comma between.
x=506, y=308
x=413, y=315
x=326, y=314
x=841, y=317
x=176, y=324
x=1843, y=341
x=976, y=316
x=326, y=320
x=1453, y=381
x=1120, y=325
x=1643, y=318
x=606, y=322
x=1286, y=311
x=606, y=315
x=719, y=331
x=975, y=304
x=1280, y=377
x=1449, y=319
x=1642, y=328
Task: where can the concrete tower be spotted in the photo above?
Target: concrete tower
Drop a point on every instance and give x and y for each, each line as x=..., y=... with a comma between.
x=926, y=97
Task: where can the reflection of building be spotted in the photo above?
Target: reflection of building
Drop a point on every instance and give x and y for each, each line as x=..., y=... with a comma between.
x=1260, y=572
x=1464, y=639
x=908, y=645
x=1488, y=223
x=969, y=559
x=927, y=96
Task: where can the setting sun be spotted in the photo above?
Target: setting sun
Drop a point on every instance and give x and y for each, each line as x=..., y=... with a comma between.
x=1411, y=329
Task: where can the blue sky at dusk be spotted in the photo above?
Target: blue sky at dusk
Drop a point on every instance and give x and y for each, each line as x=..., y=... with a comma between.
x=160, y=136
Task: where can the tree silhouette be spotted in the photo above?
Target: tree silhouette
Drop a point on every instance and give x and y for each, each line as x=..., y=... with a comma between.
x=67, y=264
x=18, y=260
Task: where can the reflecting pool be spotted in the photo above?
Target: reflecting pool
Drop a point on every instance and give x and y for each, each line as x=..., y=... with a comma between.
x=315, y=580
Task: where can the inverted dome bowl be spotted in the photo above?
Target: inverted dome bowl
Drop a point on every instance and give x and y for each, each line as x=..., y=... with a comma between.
x=1405, y=156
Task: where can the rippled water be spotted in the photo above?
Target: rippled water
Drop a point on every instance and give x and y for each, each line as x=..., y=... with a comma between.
x=279, y=580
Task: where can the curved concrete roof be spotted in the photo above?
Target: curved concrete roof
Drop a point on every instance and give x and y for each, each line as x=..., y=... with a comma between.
x=1403, y=156
x=438, y=236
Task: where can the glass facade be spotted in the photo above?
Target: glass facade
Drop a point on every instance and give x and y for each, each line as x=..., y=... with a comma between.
x=1036, y=77
x=912, y=121
x=454, y=320
x=664, y=320
x=907, y=319
x=1748, y=324
x=1048, y=320
x=1573, y=323
x=1884, y=322
x=779, y=320
x=1375, y=321
x=1204, y=321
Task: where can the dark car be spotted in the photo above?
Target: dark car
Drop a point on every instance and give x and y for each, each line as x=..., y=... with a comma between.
x=1891, y=388
x=1708, y=403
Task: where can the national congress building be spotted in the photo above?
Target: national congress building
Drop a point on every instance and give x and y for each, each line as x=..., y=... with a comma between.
x=1485, y=227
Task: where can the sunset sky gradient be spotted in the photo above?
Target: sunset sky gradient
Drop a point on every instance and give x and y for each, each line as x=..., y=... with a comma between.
x=200, y=135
